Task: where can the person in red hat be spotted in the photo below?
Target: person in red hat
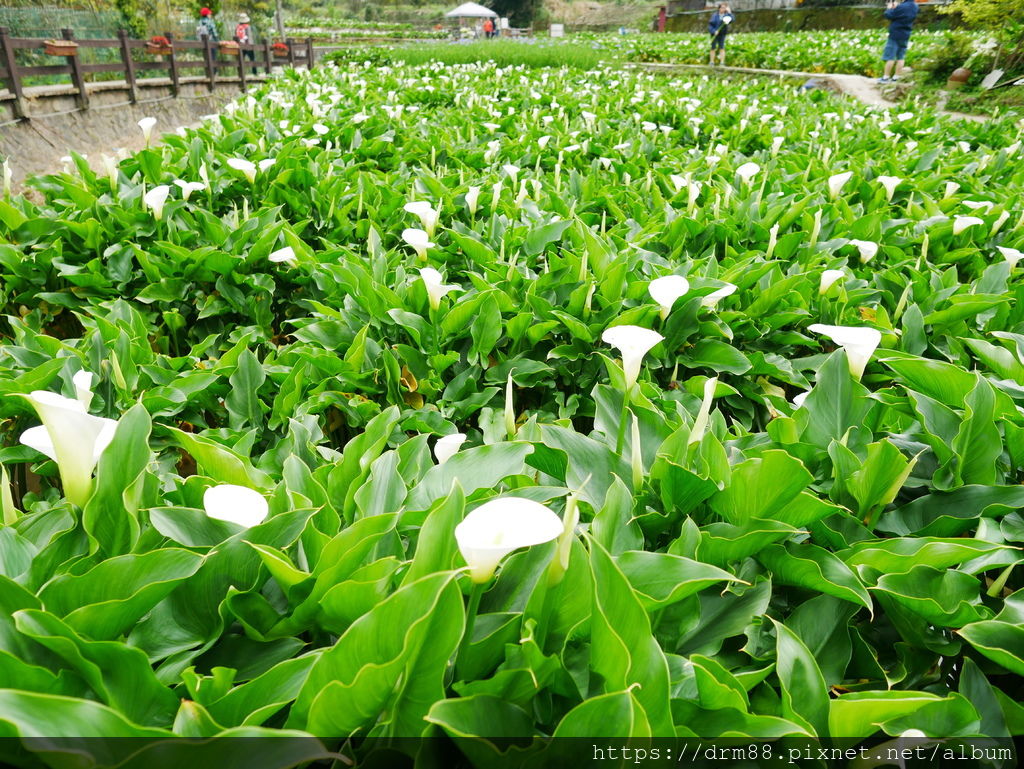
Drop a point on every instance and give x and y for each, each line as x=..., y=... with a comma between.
x=207, y=29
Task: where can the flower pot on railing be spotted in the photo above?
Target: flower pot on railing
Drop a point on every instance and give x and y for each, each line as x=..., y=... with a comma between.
x=229, y=47
x=60, y=47
x=159, y=46
x=280, y=50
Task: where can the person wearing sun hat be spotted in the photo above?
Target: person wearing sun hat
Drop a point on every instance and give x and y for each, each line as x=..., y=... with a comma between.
x=207, y=28
x=246, y=35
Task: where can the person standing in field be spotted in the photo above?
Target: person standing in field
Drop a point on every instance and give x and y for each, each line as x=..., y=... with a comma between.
x=719, y=28
x=207, y=28
x=488, y=29
x=901, y=17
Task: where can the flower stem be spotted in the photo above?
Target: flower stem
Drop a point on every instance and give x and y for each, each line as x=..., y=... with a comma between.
x=471, y=611
x=620, y=441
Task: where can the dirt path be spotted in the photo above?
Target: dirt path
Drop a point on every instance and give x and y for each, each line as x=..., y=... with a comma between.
x=865, y=89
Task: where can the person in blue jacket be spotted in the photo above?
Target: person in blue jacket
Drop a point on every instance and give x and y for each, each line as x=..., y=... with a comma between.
x=718, y=26
x=901, y=17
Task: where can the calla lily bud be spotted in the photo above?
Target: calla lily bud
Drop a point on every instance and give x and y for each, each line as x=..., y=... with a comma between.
x=716, y=296
x=187, y=188
x=560, y=565
x=7, y=178
x=773, y=240
x=1011, y=255
x=636, y=454
x=666, y=290
x=859, y=343
x=498, y=527
x=633, y=342
x=236, y=504
x=447, y=446
x=510, y=412
x=286, y=254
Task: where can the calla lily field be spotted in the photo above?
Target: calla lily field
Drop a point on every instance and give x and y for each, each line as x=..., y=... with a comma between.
x=499, y=404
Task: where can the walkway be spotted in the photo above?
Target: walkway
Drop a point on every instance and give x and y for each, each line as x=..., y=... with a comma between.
x=865, y=89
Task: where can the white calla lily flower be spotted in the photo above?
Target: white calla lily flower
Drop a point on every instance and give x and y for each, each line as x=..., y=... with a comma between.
x=889, y=183
x=70, y=436
x=146, y=124
x=1011, y=255
x=799, y=398
x=828, y=277
x=666, y=290
x=867, y=249
x=859, y=342
x=716, y=296
x=187, y=188
x=436, y=289
x=428, y=216
x=419, y=240
x=286, y=254
x=8, y=178
x=245, y=167
x=747, y=171
x=155, y=199
x=236, y=504
x=83, y=388
x=447, y=446
x=472, y=199
x=836, y=183
x=633, y=342
x=498, y=527
x=961, y=223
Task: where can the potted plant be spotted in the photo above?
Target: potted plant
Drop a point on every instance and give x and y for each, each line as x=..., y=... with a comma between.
x=280, y=50
x=61, y=47
x=229, y=47
x=962, y=74
x=158, y=45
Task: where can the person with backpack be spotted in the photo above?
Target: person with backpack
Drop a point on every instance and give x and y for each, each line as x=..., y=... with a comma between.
x=207, y=27
x=718, y=26
x=245, y=35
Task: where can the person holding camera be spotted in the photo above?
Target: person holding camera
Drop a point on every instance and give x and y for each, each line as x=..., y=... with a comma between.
x=901, y=15
x=719, y=28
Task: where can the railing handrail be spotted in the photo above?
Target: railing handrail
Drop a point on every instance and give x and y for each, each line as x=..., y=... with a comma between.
x=216, y=68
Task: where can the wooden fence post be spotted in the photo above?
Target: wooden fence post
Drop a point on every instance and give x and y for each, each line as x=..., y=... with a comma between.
x=266, y=55
x=211, y=75
x=82, y=97
x=129, y=65
x=291, y=51
x=241, y=68
x=309, y=53
x=12, y=75
x=172, y=65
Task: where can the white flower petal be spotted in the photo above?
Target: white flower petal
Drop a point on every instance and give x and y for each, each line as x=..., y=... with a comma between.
x=500, y=526
x=859, y=342
x=666, y=290
x=633, y=343
x=236, y=504
x=447, y=446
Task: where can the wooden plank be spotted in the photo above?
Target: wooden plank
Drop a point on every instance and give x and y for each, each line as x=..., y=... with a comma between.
x=129, y=64
x=44, y=69
x=12, y=76
x=89, y=68
x=77, y=77
x=172, y=64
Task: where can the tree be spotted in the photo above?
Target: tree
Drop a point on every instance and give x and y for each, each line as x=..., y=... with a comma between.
x=1003, y=18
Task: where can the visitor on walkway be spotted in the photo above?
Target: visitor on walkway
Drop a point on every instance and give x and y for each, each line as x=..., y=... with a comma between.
x=245, y=35
x=719, y=28
x=901, y=17
x=207, y=29
x=488, y=29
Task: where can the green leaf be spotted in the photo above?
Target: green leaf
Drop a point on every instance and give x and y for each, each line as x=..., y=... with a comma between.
x=804, y=694
x=814, y=568
x=245, y=409
x=660, y=578
x=761, y=487
x=1002, y=642
x=860, y=714
x=944, y=597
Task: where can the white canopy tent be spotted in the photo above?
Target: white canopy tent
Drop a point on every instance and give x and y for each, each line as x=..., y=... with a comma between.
x=471, y=11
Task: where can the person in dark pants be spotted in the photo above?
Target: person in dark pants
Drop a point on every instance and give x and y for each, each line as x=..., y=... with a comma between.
x=718, y=26
x=244, y=35
x=901, y=17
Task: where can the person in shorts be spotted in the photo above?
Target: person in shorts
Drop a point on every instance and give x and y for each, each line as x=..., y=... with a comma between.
x=718, y=26
x=901, y=17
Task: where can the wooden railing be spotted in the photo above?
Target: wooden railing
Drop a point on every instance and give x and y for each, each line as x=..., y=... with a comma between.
x=186, y=56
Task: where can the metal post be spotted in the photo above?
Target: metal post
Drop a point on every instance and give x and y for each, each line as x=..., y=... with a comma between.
x=12, y=75
x=82, y=97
